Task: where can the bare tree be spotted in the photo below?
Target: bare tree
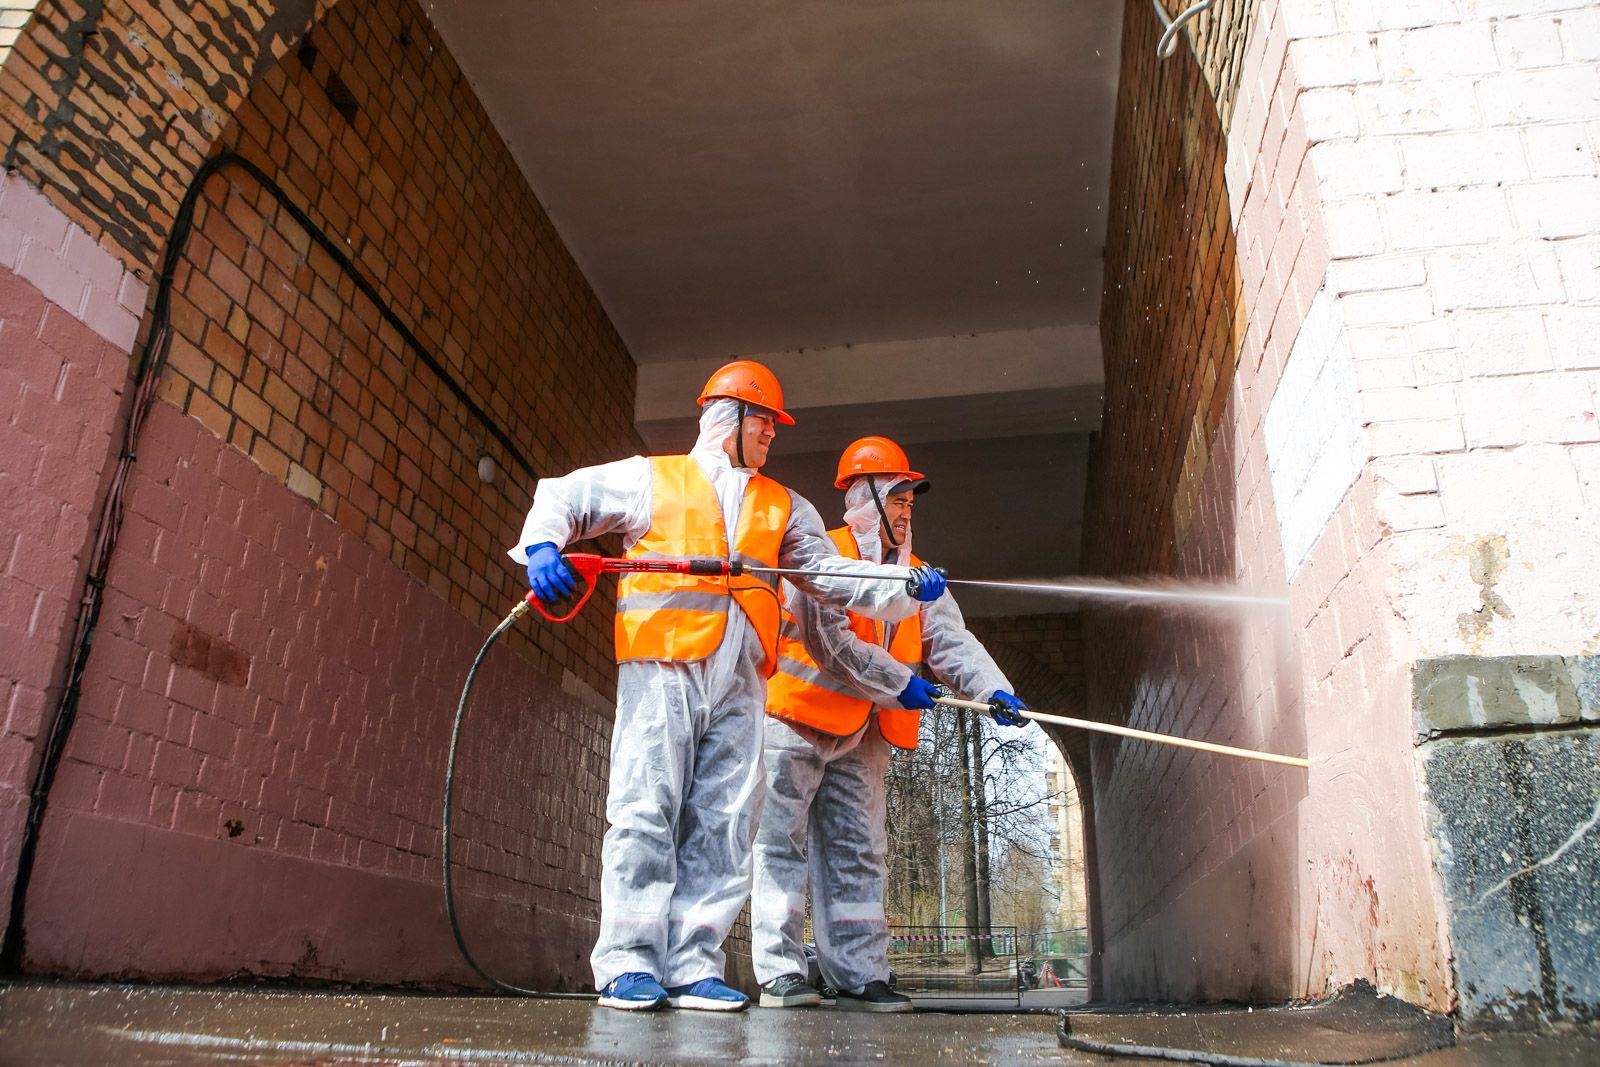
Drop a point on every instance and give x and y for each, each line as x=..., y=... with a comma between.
x=970, y=796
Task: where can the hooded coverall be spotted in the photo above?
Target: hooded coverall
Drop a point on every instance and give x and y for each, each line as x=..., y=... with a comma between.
x=685, y=780
x=829, y=792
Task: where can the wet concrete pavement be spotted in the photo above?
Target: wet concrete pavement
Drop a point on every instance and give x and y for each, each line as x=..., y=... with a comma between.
x=67, y=1025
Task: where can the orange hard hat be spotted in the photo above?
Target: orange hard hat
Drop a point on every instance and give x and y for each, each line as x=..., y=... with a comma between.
x=873, y=455
x=747, y=380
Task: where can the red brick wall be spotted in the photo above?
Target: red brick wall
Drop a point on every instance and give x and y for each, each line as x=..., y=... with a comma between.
x=109, y=108
x=1196, y=874
x=309, y=560
x=278, y=353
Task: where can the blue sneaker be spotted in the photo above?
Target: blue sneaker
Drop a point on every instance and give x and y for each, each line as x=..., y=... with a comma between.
x=634, y=991
x=708, y=994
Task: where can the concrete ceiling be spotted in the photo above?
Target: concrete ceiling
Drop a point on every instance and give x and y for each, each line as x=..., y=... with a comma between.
x=899, y=206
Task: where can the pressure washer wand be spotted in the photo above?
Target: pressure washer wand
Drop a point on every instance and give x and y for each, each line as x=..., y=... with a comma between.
x=1128, y=731
x=589, y=566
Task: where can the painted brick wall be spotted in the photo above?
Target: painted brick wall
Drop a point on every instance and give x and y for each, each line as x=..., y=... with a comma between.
x=60, y=387
x=254, y=782
x=310, y=561
x=1179, y=487
x=1456, y=153
x=276, y=352
x=1224, y=879
x=1453, y=152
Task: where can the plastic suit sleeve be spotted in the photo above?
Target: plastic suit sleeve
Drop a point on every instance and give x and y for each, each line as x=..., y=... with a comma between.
x=609, y=498
x=864, y=667
x=954, y=656
x=807, y=545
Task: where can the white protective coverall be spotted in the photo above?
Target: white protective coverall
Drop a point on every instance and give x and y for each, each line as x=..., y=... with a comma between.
x=831, y=789
x=686, y=778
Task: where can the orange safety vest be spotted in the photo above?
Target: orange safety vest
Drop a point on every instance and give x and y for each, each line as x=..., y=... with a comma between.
x=682, y=617
x=803, y=692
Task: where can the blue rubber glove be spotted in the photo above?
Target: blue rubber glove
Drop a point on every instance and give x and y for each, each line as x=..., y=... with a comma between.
x=928, y=584
x=1006, y=708
x=548, y=575
x=918, y=694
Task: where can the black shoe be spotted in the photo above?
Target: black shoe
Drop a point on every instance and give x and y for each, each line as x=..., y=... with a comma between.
x=789, y=991
x=877, y=996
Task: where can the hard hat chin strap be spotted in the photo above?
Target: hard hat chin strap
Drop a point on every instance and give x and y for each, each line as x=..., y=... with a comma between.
x=888, y=530
x=738, y=434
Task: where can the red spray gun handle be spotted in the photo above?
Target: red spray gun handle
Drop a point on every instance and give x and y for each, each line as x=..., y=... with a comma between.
x=589, y=566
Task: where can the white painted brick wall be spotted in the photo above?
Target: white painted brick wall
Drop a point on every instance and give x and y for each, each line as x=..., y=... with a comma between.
x=1557, y=408
x=1492, y=343
x=59, y=257
x=1315, y=445
x=1455, y=146
x=1446, y=217
x=1478, y=157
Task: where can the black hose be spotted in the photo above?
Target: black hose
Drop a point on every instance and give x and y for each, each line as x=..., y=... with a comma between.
x=1121, y=1050
x=444, y=850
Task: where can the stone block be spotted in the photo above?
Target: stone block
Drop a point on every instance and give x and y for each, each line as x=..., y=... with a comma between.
x=1470, y=693
x=1514, y=823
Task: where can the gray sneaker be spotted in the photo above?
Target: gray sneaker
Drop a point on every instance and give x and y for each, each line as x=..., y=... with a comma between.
x=789, y=991
x=877, y=996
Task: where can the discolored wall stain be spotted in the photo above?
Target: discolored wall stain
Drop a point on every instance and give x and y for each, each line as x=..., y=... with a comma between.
x=210, y=655
x=1486, y=561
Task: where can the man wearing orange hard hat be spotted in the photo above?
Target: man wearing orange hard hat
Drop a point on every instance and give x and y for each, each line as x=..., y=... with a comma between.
x=847, y=689
x=693, y=654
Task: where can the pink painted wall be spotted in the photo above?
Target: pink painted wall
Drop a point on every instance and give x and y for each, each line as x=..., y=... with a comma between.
x=254, y=782
x=67, y=317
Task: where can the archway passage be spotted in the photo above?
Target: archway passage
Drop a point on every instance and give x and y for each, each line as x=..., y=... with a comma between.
x=463, y=246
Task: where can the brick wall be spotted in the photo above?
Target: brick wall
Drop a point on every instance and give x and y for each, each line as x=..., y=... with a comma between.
x=276, y=351
x=1405, y=449
x=60, y=386
x=110, y=108
x=1179, y=488
x=1453, y=151
x=1042, y=656
x=309, y=560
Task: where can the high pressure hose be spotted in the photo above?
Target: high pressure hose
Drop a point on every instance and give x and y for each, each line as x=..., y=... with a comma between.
x=449, y=801
x=449, y=793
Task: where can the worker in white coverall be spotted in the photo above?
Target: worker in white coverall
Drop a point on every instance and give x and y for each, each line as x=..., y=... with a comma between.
x=694, y=654
x=848, y=688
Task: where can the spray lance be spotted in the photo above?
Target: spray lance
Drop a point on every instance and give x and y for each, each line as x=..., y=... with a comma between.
x=589, y=566
x=949, y=700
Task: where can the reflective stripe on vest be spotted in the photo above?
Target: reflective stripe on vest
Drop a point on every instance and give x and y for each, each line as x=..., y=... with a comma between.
x=803, y=692
x=682, y=617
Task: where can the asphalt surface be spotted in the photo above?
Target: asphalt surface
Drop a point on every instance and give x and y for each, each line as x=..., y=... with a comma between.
x=69, y=1024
